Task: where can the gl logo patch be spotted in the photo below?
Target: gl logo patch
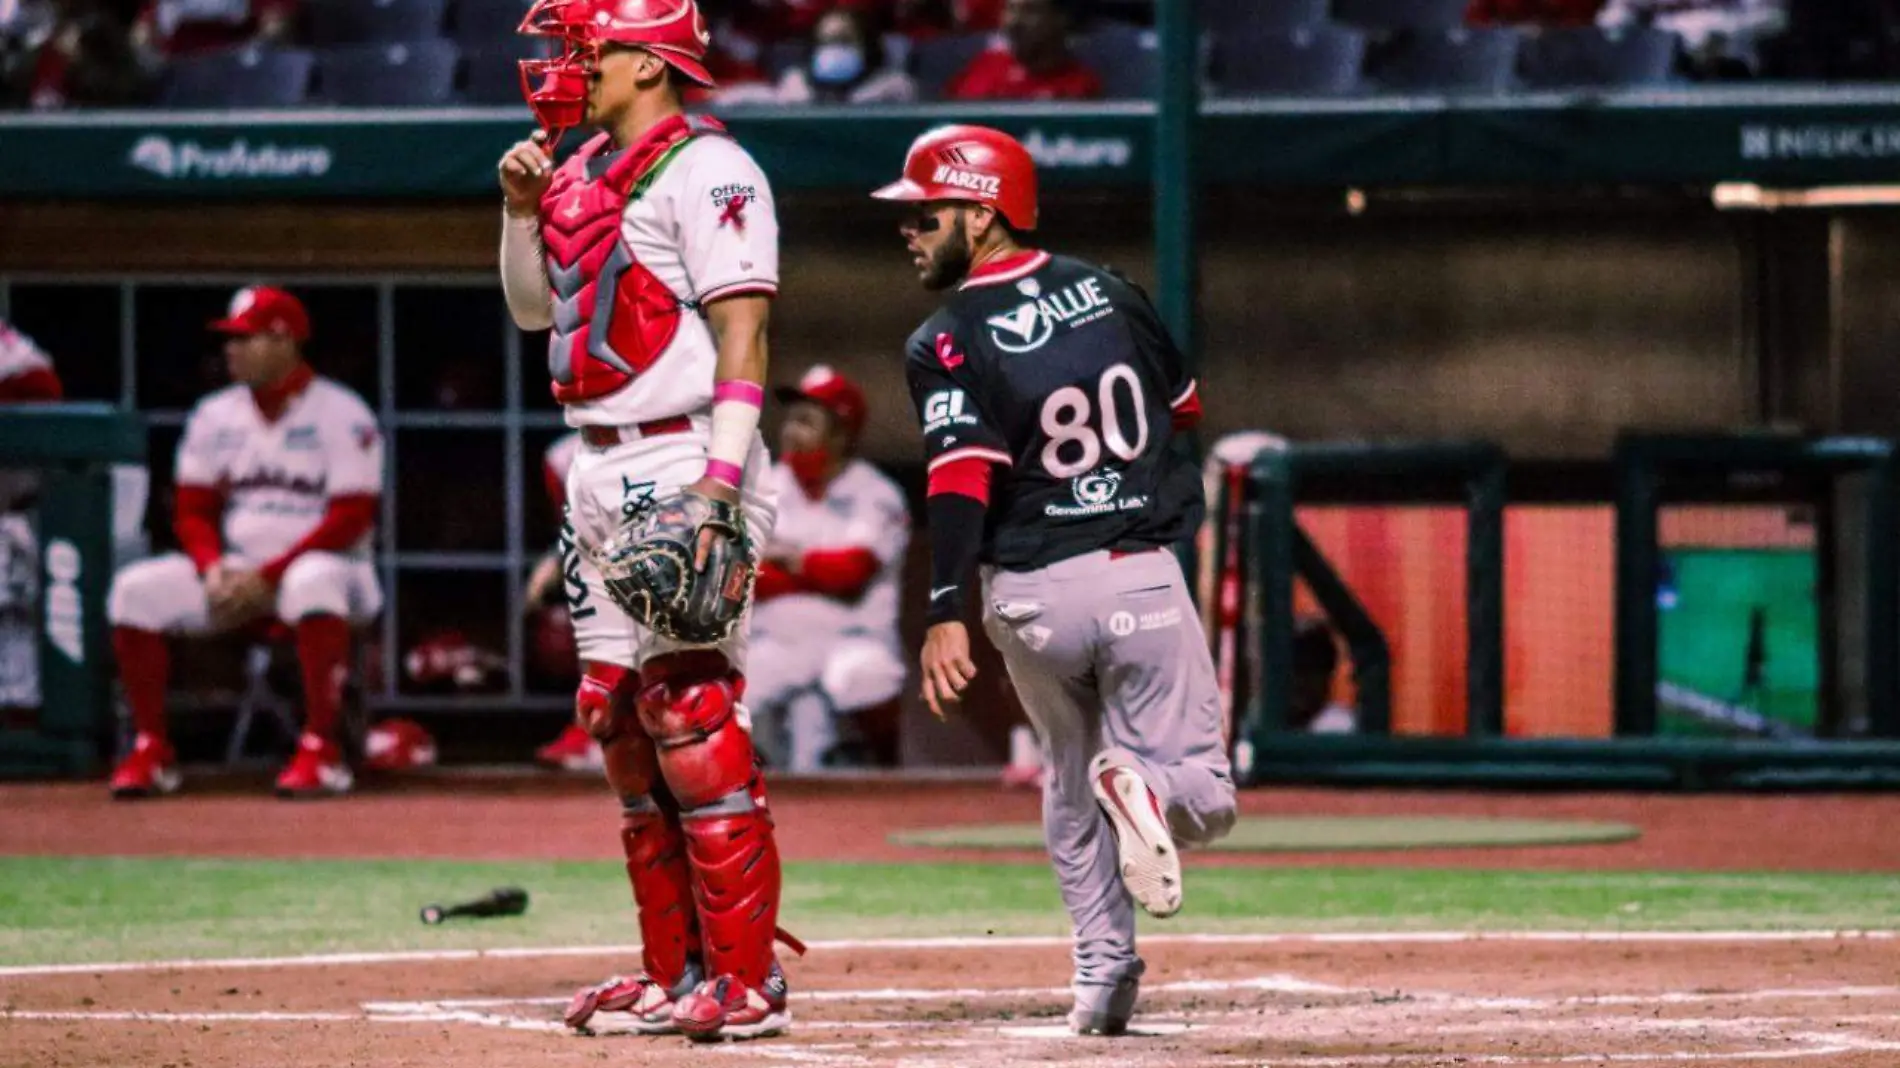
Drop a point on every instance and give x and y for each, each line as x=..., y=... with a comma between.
x=1096, y=487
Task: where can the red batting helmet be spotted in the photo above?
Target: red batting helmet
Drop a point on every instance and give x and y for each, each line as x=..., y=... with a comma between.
x=556, y=89
x=972, y=163
x=834, y=393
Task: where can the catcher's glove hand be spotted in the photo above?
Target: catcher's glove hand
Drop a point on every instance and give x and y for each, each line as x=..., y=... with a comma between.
x=648, y=568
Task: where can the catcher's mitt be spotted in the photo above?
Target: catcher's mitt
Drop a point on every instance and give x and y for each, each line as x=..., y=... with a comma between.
x=647, y=567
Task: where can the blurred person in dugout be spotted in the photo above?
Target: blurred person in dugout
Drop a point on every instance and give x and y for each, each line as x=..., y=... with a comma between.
x=846, y=64
x=825, y=645
x=1033, y=60
x=278, y=481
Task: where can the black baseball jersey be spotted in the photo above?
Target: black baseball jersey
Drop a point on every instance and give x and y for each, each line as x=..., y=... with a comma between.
x=1061, y=372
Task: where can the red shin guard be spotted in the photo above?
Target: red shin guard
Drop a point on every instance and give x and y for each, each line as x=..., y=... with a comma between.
x=663, y=891
x=736, y=885
x=688, y=705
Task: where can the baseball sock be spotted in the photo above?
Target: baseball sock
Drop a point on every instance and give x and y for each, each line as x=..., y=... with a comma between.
x=323, y=649
x=144, y=666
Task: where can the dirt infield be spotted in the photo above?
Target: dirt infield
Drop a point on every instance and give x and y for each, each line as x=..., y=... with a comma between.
x=1295, y=1002
x=1328, y=1001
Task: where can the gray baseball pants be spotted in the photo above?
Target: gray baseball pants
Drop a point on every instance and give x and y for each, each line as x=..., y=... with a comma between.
x=1106, y=652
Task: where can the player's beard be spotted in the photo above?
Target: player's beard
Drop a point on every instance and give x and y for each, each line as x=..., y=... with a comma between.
x=951, y=262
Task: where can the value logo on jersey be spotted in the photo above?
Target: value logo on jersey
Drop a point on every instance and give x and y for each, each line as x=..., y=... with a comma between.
x=1029, y=326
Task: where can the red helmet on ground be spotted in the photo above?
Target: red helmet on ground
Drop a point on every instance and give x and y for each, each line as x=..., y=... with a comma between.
x=556, y=88
x=973, y=163
x=834, y=393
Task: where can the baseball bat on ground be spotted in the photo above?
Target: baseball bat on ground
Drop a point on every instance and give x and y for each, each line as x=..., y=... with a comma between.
x=502, y=901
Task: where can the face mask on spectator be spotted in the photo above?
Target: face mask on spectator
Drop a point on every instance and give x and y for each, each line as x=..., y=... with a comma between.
x=836, y=64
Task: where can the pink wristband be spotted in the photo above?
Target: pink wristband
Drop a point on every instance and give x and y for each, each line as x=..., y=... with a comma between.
x=738, y=389
x=725, y=471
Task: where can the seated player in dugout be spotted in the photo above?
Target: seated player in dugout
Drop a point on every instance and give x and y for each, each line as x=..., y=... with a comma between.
x=278, y=480
x=550, y=621
x=825, y=644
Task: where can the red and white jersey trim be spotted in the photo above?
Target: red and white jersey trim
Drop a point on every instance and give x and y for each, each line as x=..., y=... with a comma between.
x=1187, y=394
x=971, y=452
x=1006, y=270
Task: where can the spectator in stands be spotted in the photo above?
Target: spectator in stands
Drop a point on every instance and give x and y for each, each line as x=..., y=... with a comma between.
x=1315, y=662
x=846, y=65
x=1032, y=63
x=168, y=29
x=69, y=53
x=1538, y=13
x=1721, y=38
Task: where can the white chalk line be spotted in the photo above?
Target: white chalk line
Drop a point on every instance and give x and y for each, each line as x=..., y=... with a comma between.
x=432, y=956
x=183, y=1017
x=1279, y=984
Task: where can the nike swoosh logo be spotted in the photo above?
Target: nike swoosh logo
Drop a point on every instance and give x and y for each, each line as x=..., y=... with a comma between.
x=940, y=591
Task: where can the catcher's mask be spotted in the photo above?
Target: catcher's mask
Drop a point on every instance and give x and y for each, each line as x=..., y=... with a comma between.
x=556, y=89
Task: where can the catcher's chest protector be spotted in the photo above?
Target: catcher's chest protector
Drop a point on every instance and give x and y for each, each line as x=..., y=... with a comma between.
x=612, y=316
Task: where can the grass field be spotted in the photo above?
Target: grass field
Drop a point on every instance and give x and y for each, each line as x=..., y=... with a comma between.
x=70, y=910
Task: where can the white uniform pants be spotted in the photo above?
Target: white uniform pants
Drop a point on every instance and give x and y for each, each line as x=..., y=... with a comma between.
x=800, y=679
x=166, y=593
x=607, y=487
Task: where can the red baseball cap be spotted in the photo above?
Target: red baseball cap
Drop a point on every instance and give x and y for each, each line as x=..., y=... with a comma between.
x=834, y=393
x=262, y=310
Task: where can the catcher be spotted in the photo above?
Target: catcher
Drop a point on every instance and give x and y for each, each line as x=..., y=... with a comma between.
x=651, y=254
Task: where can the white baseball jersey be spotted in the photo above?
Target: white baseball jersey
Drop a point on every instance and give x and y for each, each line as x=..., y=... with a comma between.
x=862, y=508
x=18, y=354
x=707, y=228
x=277, y=477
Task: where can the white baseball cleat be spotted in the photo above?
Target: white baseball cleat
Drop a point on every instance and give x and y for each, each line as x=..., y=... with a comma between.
x=1150, y=864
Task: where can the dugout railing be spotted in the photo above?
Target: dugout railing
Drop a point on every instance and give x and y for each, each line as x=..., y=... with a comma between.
x=1648, y=472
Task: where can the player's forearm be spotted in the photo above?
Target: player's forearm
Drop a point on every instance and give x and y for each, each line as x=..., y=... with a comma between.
x=195, y=520
x=347, y=518
x=739, y=330
x=958, y=501
x=524, y=273
x=841, y=573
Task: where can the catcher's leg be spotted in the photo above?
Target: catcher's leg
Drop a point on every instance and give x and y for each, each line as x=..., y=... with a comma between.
x=689, y=706
x=656, y=860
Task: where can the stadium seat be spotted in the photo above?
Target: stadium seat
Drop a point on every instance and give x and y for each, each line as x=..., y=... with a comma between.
x=937, y=60
x=241, y=78
x=492, y=75
x=1223, y=18
x=338, y=22
x=1322, y=60
x=781, y=56
x=416, y=74
x=486, y=24
x=1469, y=60
x=1126, y=59
x=1386, y=16
x=1586, y=56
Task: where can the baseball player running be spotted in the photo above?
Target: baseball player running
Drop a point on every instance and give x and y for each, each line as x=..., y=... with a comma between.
x=1049, y=393
x=279, y=477
x=652, y=254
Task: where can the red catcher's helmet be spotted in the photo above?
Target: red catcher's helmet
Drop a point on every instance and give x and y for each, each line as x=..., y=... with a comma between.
x=972, y=163
x=556, y=89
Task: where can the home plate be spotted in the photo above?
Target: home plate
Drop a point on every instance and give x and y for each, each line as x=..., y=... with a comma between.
x=1149, y=1029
